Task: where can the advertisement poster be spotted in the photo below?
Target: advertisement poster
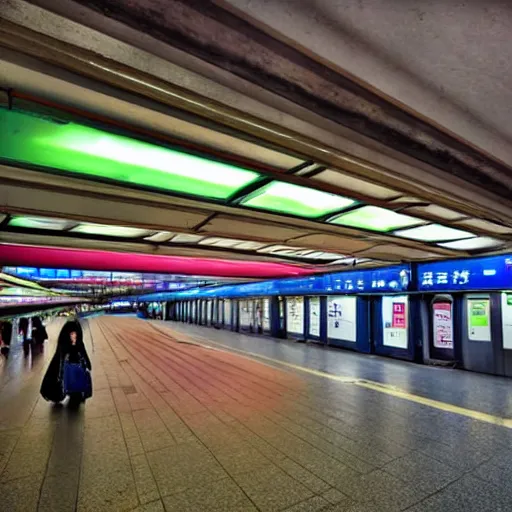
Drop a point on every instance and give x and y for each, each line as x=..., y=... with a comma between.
x=399, y=320
x=394, y=321
x=314, y=316
x=479, y=322
x=295, y=314
x=506, y=312
x=227, y=312
x=246, y=313
x=266, y=315
x=341, y=318
x=443, y=325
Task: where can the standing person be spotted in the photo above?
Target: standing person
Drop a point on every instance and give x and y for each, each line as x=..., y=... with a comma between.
x=69, y=371
x=5, y=336
x=23, y=328
x=39, y=334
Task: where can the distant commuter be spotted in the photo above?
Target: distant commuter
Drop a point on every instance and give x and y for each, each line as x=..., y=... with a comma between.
x=69, y=370
x=23, y=328
x=5, y=336
x=39, y=334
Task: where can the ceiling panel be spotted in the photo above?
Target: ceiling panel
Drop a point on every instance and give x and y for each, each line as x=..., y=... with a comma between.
x=347, y=182
x=132, y=114
x=109, y=230
x=332, y=243
x=102, y=210
x=396, y=253
x=244, y=245
x=403, y=200
x=485, y=225
x=374, y=218
x=87, y=151
x=27, y=222
x=162, y=236
x=233, y=226
x=434, y=233
x=436, y=211
x=184, y=238
x=474, y=244
x=296, y=200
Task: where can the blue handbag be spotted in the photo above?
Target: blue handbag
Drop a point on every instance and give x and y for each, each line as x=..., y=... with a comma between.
x=77, y=379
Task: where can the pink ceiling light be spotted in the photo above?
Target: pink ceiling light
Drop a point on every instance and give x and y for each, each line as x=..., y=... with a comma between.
x=52, y=257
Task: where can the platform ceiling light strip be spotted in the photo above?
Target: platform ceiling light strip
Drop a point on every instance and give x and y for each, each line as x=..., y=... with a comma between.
x=163, y=236
x=434, y=233
x=40, y=223
x=374, y=218
x=186, y=239
x=296, y=200
x=245, y=245
x=92, y=152
x=473, y=244
x=106, y=230
x=300, y=252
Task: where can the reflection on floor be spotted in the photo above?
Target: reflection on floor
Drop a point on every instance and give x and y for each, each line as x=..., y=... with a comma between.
x=178, y=426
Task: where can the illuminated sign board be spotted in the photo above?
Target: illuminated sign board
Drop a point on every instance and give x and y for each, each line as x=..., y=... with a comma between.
x=489, y=273
x=372, y=281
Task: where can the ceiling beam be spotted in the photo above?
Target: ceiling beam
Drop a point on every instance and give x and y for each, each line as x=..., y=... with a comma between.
x=217, y=36
x=474, y=199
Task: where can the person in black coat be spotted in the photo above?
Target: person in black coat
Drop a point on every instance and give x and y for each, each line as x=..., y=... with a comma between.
x=5, y=336
x=23, y=328
x=70, y=348
x=39, y=334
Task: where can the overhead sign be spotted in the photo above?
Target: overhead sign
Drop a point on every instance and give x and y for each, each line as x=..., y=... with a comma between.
x=490, y=273
x=382, y=280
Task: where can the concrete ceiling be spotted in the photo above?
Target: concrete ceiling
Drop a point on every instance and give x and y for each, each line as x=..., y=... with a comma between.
x=448, y=61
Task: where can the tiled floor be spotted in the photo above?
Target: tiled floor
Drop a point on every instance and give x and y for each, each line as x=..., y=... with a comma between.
x=177, y=426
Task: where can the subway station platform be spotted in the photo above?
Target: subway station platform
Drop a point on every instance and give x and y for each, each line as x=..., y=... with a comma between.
x=185, y=418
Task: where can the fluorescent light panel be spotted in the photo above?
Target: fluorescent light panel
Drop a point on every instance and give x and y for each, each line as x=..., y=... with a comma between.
x=220, y=242
x=374, y=218
x=473, y=244
x=163, y=236
x=40, y=223
x=184, y=238
x=106, y=230
x=434, y=233
x=86, y=151
x=231, y=243
x=299, y=252
x=296, y=200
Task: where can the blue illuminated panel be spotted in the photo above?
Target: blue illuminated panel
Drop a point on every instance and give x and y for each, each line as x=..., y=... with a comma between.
x=382, y=280
x=47, y=273
x=489, y=273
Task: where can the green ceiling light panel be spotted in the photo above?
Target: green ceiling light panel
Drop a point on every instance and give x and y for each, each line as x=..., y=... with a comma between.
x=91, y=152
x=374, y=218
x=296, y=200
x=40, y=223
x=107, y=230
x=434, y=233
